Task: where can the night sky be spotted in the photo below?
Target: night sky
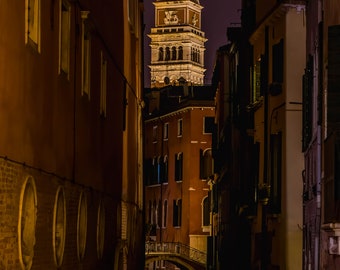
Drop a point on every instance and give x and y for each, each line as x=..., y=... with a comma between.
x=217, y=15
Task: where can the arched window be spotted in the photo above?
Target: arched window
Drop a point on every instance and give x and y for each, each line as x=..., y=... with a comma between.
x=167, y=54
x=205, y=212
x=206, y=164
x=174, y=53
x=154, y=214
x=159, y=214
x=165, y=213
x=180, y=53
x=161, y=54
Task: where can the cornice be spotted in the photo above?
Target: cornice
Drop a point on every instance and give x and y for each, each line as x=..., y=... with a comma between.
x=178, y=112
x=277, y=13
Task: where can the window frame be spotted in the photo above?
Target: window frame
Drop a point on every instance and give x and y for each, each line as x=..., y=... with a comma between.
x=103, y=84
x=86, y=55
x=180, y=127
x=64, y=37
x=166, y=131
x=205, y=203
x=33, y=31
x=179, y=167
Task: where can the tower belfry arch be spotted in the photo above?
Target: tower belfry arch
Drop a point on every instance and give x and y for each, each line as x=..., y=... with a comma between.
x=177, y=43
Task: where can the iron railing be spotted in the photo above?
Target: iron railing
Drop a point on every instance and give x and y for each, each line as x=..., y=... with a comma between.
x=176, y=248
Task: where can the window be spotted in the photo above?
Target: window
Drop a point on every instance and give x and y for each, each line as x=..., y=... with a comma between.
x=333, y=78
x=59, y=227
x=154, y=134
x=177, y=213
x=159, y=214
x=164, y=170
x=174, y=53
x=179, y=166
x=179, y=127
x=166, y=131
x=206, y=164
x=307, y=116
x=275, y=168
x=167, y=54
x=82, y=226
x=159, y=169
x=180, y=53
x=256, y=78
x=27, y=223
x=64, y=36
x=165, y=213
x=86, y=53
x=208, y=125
x=332, y=178
x=155, y=170
x=206, y=211
x=132, y=14
x=32, y=14
x=161, y=54
x=103, y=84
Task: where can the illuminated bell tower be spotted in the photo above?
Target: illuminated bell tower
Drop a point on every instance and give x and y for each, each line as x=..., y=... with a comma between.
x=177, y=44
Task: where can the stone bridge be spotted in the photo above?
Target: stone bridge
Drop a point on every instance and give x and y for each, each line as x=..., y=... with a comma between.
x=176, y=253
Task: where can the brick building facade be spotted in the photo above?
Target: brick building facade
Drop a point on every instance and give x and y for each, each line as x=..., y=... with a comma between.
x=70, y=106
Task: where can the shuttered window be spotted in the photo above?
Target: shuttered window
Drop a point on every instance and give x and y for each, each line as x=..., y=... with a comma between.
x=333, y=89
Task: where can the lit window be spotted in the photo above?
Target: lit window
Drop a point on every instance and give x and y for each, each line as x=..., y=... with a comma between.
x=86, y=53
x=64, y=36
x=103, y=84
x=32, y=13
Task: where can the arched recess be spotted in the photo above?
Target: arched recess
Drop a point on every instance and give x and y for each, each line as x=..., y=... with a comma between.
x=27, y=223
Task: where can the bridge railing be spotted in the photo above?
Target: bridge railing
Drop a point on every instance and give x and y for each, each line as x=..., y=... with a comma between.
x=176, y=248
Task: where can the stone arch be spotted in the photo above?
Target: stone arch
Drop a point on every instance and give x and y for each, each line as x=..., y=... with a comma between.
x=175, y=259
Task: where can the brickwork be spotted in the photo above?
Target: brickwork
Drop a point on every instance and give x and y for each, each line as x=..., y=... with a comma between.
x=12, y=178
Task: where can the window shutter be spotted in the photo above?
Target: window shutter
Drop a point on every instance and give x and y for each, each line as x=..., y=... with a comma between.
x=333, y=95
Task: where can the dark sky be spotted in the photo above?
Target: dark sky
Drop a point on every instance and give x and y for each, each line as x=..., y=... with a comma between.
x=217, y=15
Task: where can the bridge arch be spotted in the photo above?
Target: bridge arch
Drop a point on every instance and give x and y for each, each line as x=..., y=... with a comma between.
x=169, y=258
x=178, y=253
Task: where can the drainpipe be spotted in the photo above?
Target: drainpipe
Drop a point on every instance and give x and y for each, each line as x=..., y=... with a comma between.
x=264, y=85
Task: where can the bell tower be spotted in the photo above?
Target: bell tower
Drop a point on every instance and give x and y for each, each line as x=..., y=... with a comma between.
x=177, y=44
